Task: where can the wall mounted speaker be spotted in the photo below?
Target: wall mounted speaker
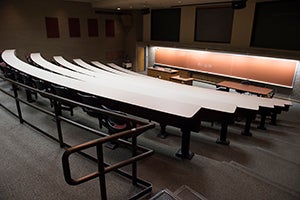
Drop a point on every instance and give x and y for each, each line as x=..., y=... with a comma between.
x=145, y=11
x=238, y=4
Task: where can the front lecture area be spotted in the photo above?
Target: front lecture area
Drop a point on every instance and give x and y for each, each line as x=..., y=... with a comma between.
x=145, y=103
x=224, y=69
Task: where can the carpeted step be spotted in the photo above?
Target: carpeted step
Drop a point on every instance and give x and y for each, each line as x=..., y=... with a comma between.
x=261, y=177
x=187, y=193
x=165, y=194
x=182, y=193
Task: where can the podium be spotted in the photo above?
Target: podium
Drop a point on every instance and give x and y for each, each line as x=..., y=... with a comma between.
x=127, y=65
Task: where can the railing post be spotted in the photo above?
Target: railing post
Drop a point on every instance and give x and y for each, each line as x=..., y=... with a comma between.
x=102, y=181
x=15, y=89
x=57, y=110
x=134, y=165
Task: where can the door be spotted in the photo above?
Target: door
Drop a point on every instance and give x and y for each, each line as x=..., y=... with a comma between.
x=140, y=59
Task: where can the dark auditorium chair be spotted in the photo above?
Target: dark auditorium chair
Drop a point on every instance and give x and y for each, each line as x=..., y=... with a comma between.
x=113, y=124
x=26, y=79
x=92, y=101
x=8, y=73
x=17, y=75
x=2, y=63
x=43, y=86
x=2, y=66
x=65, y=93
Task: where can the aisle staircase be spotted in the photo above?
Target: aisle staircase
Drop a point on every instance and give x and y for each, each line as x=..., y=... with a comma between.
x=182, y=193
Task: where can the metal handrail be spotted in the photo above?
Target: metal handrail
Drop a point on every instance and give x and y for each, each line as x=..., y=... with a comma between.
x=103, y=168
x=133, y=132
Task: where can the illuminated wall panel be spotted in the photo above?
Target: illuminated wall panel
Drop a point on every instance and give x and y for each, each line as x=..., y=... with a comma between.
x=273, y=71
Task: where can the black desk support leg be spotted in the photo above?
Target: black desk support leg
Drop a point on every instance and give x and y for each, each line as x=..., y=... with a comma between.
x=246, y=131
x=185, y=152
x=223, y=135
x=263, y=121
x=274, y=118
x=163, y=133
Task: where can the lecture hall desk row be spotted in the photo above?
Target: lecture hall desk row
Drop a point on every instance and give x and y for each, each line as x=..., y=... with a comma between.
x=151, y=81
x=281, y=105
x=166, y=102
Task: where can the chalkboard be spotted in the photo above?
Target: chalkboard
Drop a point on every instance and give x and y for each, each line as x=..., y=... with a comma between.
x=274, y=71
x=277, y=25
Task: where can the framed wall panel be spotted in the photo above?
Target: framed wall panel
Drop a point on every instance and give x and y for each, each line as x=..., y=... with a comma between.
x=74, y=27
x=52, y=27
x=214, y=24
x=277, y=25
x=110, y=28
x=93, y=28
x=165, y=24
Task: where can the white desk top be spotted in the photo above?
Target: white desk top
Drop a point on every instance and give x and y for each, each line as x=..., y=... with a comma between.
x=38, y=59
x=60, y=60
x=264, y=102
x=85, y=65
x=107, y=68
x=156, y=89
x=210, y=99
x=121, y=85
x=187, y=93
x=238, y=100
x=166, y=105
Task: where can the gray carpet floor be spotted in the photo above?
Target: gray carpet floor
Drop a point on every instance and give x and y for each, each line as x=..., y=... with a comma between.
x=264, y=166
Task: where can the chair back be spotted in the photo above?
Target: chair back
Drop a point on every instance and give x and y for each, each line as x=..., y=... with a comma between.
x=64, y=92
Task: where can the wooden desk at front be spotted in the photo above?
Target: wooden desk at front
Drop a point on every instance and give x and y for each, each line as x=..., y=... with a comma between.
x=178, y=79
x=161, y=72
x=259, y=91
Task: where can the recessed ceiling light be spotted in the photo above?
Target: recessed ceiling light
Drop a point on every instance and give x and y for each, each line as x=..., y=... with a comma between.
x=118, y=8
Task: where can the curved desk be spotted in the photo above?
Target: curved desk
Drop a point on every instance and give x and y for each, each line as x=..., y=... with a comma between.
x=186, y=116
x=127, y=82
x=267, y=106
x=274, y=101
x=247, y=106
